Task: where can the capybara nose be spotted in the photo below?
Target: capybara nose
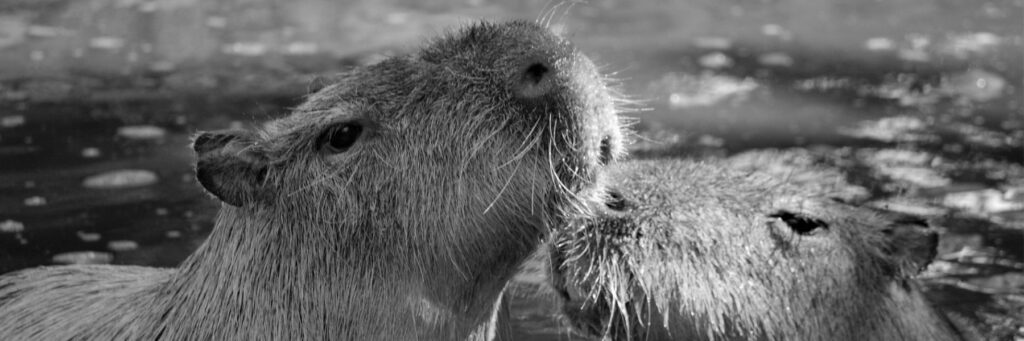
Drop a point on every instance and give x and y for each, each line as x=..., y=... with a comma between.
x=535, y=79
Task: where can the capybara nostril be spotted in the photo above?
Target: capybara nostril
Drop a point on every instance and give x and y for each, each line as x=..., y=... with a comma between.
x=617, y=202
x=535, y=80
x=606, y=150
x=799, y=223
x=536, y=72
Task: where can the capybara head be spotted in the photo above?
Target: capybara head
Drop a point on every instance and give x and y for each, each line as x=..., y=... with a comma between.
x=690, y=250
x=492, y=109
x=449, y=163
x=489, y=128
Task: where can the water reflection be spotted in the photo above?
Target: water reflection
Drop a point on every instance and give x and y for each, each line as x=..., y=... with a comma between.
x=907, y=105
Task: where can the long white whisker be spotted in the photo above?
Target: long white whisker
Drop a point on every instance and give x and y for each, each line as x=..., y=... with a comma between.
x=528, y=143
x=503, y=188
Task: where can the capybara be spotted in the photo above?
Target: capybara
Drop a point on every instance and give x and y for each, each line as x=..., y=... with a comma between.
x=695, y=251
x=394, y=204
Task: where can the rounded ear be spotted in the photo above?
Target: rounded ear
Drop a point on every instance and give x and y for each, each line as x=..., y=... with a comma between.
x=229, y=166
x=914, y=243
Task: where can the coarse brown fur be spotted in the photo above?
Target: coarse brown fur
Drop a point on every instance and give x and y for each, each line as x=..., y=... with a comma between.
x=695, y=251
x=470, y=149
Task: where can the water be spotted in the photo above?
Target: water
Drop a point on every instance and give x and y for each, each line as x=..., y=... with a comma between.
x=936, y=83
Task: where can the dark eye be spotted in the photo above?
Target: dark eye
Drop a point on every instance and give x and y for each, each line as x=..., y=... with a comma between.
x=799, y=223
x=339, y=138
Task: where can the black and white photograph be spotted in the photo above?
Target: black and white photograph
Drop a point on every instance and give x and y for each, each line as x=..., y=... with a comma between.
x=485, y=170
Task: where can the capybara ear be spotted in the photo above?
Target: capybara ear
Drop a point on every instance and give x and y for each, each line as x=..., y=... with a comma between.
x=914, y=243
x=229, y=165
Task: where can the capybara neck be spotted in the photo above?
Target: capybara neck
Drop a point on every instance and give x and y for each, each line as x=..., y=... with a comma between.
x=256, y=260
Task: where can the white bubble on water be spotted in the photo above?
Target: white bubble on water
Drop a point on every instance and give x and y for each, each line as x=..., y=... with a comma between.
x=90, y=152
x=11, y=226
x=35, y=201
x=83, y=257
x=965, y=44
x=879, y=44
x=88, y=237
x=121, y=178
x=974, y=84
x=986, y=201
x=122, y=245
x=775, y=59
x=242, y=48
x=106, y=43
x=716, y=60
x=703, y=90
x=302, y=48
x=12, y=121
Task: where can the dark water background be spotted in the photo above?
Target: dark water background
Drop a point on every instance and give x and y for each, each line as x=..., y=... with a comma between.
x=917, y=102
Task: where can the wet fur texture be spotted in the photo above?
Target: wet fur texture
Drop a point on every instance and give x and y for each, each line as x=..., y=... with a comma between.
x=410, y=234
x=695, y=251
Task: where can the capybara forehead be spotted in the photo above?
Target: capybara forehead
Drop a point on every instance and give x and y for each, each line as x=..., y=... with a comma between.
x=489, y=43
x=473, y=68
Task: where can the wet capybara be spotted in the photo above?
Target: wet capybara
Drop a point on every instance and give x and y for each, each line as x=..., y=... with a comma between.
x=394, y=204
x=695, y=251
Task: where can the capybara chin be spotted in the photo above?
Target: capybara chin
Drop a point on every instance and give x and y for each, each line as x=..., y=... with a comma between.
x=394, y=204
x=694, y=251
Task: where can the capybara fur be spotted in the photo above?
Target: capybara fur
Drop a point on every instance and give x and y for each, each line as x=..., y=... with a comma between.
x=695, y=251
x=394, y=204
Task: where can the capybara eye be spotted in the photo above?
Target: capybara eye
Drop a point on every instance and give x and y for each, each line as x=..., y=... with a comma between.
x=799, y=223
x=340, y=137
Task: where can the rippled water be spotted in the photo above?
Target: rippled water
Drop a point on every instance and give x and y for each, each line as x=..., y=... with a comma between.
x=917, y=103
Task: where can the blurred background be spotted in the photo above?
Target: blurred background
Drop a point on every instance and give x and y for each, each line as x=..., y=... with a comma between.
x=914, y=105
